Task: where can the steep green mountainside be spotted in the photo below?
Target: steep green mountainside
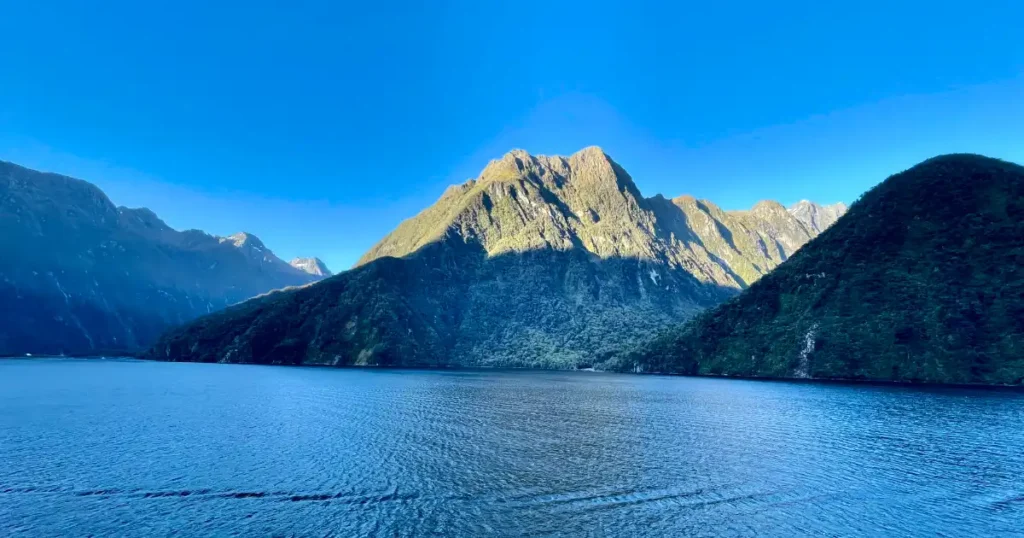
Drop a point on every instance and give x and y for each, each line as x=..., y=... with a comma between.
x=79, y=275
x=541, y=261
x=922, y=280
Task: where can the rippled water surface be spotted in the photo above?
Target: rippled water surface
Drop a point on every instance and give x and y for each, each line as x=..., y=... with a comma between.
x=124, y=448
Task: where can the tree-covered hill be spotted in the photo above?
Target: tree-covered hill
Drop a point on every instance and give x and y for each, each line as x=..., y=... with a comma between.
x=922, y=280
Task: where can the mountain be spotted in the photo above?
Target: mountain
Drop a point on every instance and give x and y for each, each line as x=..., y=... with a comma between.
x=312, y=266
x=922, y=280
x=815, y=216
x=523, y=203
x=79, y=275
x=540, y=262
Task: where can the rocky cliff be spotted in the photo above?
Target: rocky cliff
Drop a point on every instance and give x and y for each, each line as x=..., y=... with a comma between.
x=817, y=217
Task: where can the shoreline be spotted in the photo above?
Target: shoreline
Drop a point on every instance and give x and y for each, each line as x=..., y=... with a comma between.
x=816, y=380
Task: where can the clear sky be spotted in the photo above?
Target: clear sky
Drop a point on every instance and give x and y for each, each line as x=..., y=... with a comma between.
x=319, y=126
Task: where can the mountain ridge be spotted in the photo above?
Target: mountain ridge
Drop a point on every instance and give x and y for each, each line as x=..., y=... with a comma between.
x=81, y=275
x=536, y=262
x=816, y=216
x=574, y=216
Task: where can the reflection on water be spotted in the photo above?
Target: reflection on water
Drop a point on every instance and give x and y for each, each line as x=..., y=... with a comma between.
x=131, y=448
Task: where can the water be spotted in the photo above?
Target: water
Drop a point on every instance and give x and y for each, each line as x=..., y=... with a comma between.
x=124, y=448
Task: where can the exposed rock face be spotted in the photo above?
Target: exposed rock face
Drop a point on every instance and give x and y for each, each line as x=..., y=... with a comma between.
x=79, y=275
x=923, y=280
x=817, y=217
x=312, y=266
x=522, y=203
x=540, y=261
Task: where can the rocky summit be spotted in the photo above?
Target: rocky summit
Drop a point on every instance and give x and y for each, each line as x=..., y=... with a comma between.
x=79, y=275
x=312, y=266
x=551, y=262
x=817, y=217
x=921, y=281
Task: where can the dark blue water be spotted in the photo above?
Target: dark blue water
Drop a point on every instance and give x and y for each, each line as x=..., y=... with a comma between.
x=123, y=448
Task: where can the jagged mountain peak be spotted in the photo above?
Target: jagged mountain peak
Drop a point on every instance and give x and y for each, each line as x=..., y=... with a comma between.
x=253, y=248
x=314, y=266
x=588, y=202
x=522, y=202
x=510, y=166
x=593, y=163
x=683, y=198
x=593, y=151
x=245, y=239
x=589, y=152
x=808, y=204
x=768, y=207
x=817, y=217
x=768, y=204
x=590, y=162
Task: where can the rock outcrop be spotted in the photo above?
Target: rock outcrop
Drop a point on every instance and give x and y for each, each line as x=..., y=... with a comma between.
x=312, y=266
x=817, y=217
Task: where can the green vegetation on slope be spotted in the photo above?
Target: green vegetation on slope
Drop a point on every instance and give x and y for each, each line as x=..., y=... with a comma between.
x=523, y=203
x=922, y=280
x=448, y=304
x=540, y=262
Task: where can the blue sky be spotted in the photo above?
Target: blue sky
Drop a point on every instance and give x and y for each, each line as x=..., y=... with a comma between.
x=319, y=126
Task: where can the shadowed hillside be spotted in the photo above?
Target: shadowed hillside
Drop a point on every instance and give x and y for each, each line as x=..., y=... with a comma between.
x=79, y=275
x=921, y=281
x=444, y=306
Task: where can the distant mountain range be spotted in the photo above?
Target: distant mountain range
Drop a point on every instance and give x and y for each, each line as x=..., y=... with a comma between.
x=541, y=261
x=923, y=280
x=81, y=276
